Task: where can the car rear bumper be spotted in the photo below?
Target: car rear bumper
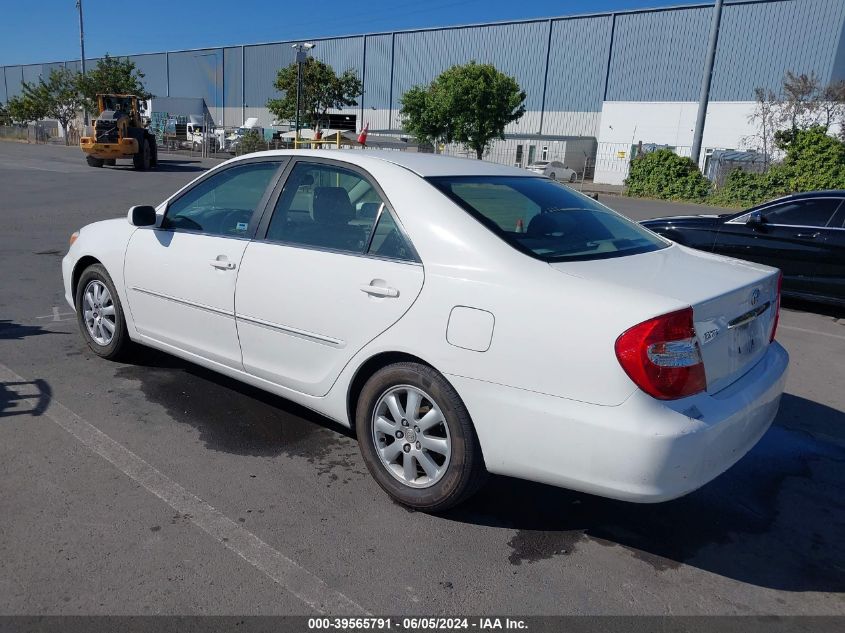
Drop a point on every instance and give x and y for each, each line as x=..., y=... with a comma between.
x=643, y=450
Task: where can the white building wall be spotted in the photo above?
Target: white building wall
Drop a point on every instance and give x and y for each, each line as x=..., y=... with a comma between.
x=626, y=123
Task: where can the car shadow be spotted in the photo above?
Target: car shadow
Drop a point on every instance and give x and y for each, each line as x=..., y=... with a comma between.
x=234, y=417
x=774, y=520
x=168, y=165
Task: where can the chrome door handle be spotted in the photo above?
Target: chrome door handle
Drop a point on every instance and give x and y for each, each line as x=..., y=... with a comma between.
x=380, y=291
x=809, y=235
x=222, y=264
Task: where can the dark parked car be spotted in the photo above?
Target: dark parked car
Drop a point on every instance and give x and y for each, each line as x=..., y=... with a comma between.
x=802, y=234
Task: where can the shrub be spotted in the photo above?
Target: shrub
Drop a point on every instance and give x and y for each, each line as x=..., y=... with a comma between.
x=250, y=142
x=663, y=174
x=813, y=161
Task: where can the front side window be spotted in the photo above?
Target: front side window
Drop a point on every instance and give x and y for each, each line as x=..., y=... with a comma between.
x=222, y=204
x=324, y=206
x=813, y=212
x=547, y=220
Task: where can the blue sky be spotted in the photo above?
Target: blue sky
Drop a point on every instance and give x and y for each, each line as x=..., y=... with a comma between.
x=47, y=30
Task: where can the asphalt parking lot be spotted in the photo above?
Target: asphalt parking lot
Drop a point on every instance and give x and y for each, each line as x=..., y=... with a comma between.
x=242, y=503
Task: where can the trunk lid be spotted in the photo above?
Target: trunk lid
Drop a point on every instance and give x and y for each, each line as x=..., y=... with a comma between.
x=734, y=302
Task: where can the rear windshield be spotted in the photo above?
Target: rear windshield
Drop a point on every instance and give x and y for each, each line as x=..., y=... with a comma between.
x=547, y=220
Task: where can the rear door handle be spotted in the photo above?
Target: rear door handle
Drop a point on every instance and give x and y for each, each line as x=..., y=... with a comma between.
x=811, y=236
x=380, y=291
x=222, y=264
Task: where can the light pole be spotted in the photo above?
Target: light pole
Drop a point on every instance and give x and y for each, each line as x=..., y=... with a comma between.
x=301, y=57
x=82, y=49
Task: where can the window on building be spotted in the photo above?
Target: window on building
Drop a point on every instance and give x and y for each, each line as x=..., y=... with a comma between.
x=518, y=156
x=545, y=152
x=532, y=151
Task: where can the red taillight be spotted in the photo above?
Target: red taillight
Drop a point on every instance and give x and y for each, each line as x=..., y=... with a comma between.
x=662, y=356
x=777, y=308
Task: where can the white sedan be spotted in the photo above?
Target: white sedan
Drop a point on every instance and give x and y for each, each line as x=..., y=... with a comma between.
x=554, y=170
x=464, y=317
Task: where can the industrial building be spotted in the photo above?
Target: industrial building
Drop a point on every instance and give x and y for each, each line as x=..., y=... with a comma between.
x=598, y=83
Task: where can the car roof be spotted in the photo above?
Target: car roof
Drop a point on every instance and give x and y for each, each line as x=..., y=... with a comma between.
x=425, y=165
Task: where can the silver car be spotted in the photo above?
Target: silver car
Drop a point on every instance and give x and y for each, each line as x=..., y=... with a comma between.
x=553, y=169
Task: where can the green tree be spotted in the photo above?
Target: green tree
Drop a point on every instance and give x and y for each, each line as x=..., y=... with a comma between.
x=57, y=98
x=112, y=75
x=322, y=90
x=468, y=104
x=25, y=109
x=5, y=117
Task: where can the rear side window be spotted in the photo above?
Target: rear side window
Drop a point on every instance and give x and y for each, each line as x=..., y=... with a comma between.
x=388, y=240
x=222, y=204
x=812, y=212
x=324, y=206
x=547, y=220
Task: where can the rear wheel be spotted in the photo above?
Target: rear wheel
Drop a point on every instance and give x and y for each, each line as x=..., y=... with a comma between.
x=573, y=177
x=552, y=176
x=100, y=315
x=111, y=162
x=417, y=438
x=142, y=159
x=94, y=162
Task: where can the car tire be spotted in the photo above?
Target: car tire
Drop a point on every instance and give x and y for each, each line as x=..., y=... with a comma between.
x=111, y=162
x=100, y=316
x=94, y=162
x=434, y=466
x=143, y=158
x=573, y=177
x=552, y=176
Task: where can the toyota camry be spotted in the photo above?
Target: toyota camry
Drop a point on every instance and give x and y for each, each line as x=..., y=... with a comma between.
x=462, y=317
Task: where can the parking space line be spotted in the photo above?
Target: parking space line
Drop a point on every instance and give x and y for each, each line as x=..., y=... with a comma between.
x=291, y=576
x=806, y=331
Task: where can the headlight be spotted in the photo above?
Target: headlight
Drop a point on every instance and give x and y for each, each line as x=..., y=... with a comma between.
x=73, y=237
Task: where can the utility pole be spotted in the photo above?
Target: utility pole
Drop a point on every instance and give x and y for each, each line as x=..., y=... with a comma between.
x=301, y=57
x=704, y=97
x=82, y=48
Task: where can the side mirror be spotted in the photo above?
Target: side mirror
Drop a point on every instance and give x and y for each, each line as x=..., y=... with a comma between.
x=142, y=215
x=755, y=219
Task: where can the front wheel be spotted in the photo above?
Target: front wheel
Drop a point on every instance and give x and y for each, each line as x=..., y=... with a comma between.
x=417, y=438
x=552, y=176
x=142, y=159
x=573, y=177
x=100, y=315
x=94, y=162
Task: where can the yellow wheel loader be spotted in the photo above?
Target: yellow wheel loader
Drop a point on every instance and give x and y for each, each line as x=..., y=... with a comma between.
x=119, y=132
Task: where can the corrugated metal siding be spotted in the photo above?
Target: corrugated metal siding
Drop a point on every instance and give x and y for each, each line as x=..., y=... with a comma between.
x=516, y=49
x=377, y=74
x=801, y=36
x=342, y=54
x=577, y=64
x=198, y=74
x=262, y=63
x=233, y=85
x=32, y=73
x=659, y=56
x=46, y=69
x=14, y=75
x=3, y=96
x=154, y=68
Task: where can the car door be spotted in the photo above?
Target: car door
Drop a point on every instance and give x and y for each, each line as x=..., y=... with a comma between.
x=830, y=273
x=788, y=236
x=180, y=275
x=330, y=269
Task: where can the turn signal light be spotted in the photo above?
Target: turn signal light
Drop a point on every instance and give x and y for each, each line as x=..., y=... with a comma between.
x=73, y=237
x=662, y=356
